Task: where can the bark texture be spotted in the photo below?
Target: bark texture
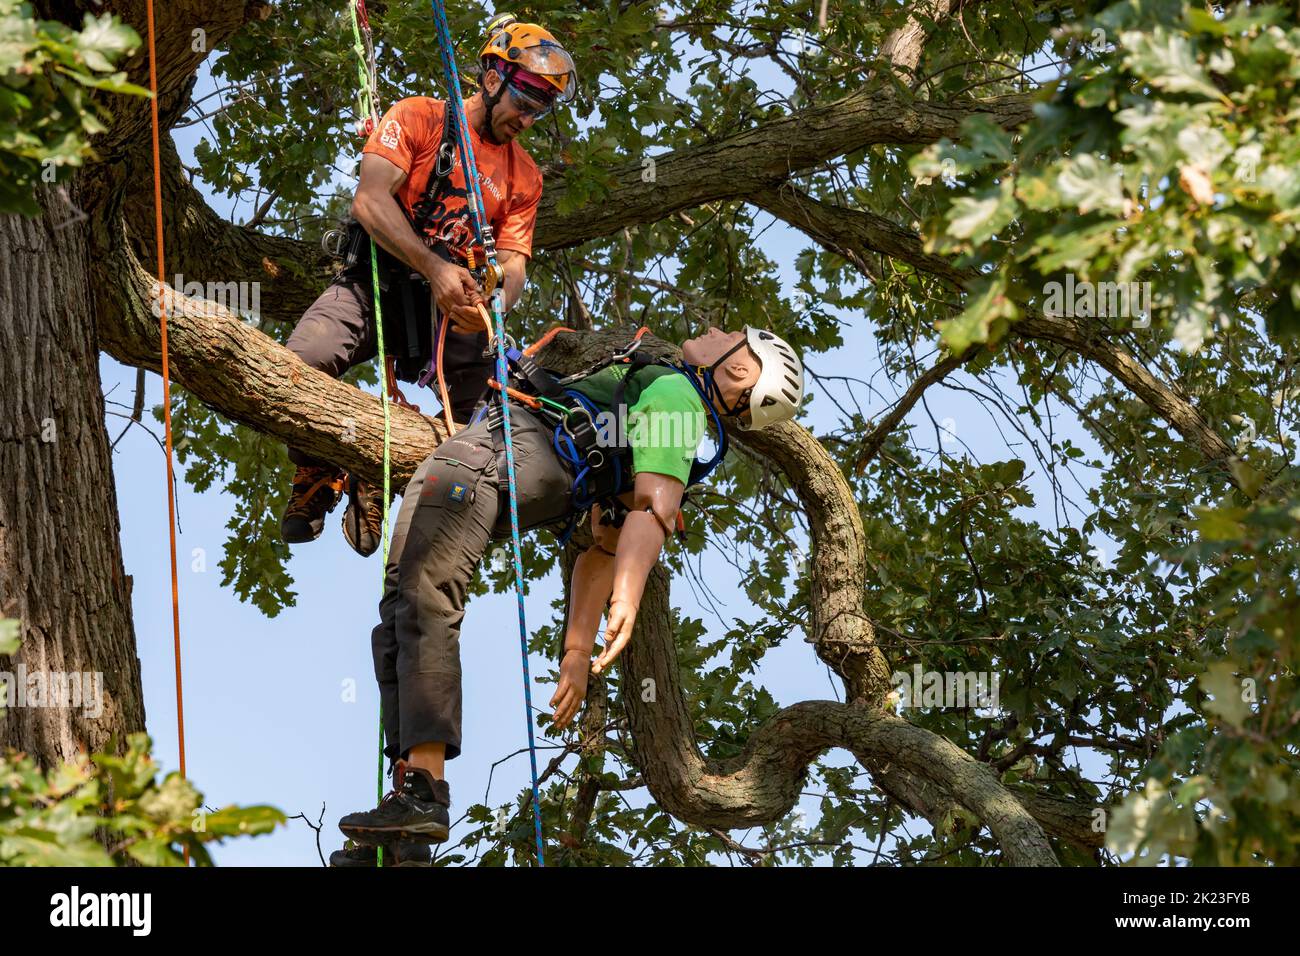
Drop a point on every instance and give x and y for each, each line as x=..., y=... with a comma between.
x=61, y=572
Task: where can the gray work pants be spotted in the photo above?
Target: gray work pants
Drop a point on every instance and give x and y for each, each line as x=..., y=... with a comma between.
x=337, y=332
x=452, y=507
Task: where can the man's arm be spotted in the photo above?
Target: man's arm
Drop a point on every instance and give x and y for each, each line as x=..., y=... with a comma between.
x=515, y=266
x=375, y=207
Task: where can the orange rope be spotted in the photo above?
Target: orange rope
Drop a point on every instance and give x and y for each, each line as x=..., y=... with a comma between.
x=487, y=321
x=442, y=381
x=545, y=339
x=394, y=393
x=514, y=393
x=167, y=400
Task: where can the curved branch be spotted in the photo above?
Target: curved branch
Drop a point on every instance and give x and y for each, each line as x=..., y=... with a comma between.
x=1164, y=401
x=762, y=783
x=857, y=234
x=840, y=629
x=872, y=443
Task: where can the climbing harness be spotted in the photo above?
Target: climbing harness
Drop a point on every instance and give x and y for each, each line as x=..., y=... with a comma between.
x=601, y=462
x=415, y=355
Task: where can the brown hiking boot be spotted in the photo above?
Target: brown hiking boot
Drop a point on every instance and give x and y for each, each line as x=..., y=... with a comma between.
x=316, y=492
x=363, y=521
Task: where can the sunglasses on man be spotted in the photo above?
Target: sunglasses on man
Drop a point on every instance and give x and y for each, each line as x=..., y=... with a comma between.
x=529, y=104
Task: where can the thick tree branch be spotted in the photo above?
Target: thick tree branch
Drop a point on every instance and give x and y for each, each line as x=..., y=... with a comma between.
x=760, y=158
x=249, y=378
x=762, y=783
x=205, y=247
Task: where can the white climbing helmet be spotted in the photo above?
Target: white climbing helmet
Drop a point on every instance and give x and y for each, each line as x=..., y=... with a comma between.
x=779, y=389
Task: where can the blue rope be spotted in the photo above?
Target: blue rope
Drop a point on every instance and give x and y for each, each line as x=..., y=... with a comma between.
x=570, y=454
x=479, y=219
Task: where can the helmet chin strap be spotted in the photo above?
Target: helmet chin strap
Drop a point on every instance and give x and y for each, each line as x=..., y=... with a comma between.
x=712, y=390
x=490, y=101
x=711, y=387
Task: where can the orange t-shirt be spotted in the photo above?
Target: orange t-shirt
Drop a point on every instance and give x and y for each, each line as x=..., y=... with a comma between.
x=409, y=136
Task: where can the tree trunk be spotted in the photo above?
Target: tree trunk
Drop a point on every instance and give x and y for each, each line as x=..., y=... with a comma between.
x=61, y=572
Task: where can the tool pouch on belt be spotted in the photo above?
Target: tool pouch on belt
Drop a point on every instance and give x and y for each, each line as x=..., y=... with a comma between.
x=404, y=297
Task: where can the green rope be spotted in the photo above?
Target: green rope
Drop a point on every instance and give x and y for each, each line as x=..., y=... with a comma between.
x=366, y=108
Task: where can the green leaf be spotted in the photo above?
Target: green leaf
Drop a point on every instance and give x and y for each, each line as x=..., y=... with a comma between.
x=1220, y=524
x=116, y=83
x=241, y=821
x=1225, y=689
x=987, y=315
x=987, y=138
x=979, y=218
x=1168, y=61
x=1249, y=479
x=156, y=852
x=105, y=39
x=10, y=635
x=1091, y=184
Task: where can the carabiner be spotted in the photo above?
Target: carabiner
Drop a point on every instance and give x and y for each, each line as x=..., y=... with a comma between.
x=331, y=242
x=624, y=355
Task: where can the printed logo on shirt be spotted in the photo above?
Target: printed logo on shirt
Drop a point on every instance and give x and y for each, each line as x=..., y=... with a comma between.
x=487, y=183
x=391, y=135
x=484, y=180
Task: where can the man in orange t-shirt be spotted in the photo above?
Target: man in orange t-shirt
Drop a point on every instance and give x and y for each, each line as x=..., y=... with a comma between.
x=421, y=222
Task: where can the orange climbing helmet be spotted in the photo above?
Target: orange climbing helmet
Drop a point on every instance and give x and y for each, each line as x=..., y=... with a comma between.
x=530, y=48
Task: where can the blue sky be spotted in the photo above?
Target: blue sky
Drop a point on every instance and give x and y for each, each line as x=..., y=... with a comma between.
x=267, y=719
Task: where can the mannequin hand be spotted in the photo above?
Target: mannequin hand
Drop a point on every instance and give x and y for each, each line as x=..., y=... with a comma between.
x=618, y=631
x=573, y=687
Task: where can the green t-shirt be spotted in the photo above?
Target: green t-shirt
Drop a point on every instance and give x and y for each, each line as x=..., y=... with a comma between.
x=666, y=419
